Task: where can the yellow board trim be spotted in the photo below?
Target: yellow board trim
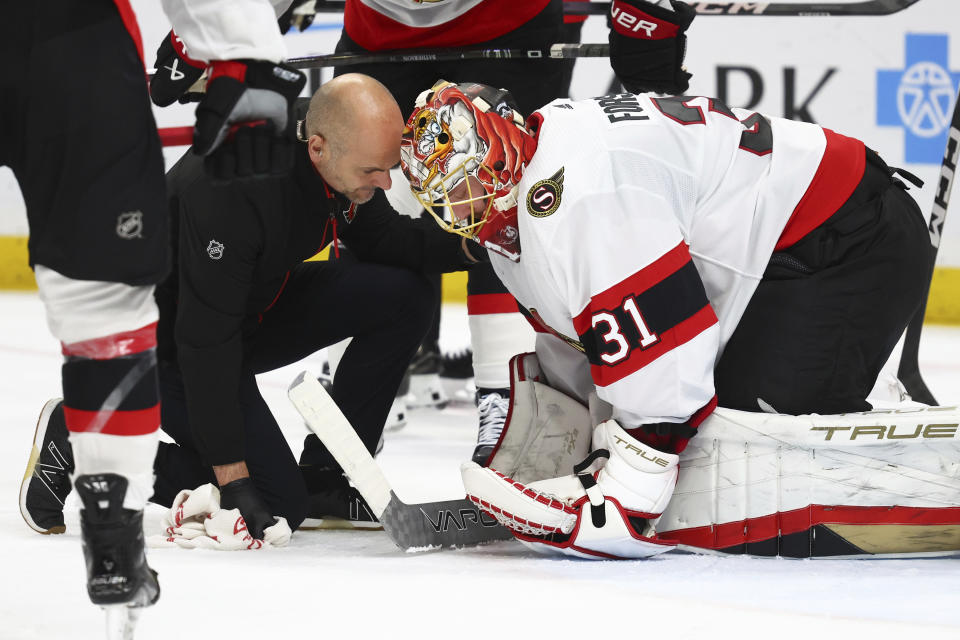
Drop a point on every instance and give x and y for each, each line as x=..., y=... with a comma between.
x=942, y=308
x=15, y=273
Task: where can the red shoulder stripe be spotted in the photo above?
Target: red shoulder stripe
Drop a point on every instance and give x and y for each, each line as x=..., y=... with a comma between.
x=840, y=171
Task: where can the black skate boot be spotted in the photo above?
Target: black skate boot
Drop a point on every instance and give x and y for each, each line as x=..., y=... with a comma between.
x=492, y=405
x=46, y=483
x=458, y=365
x=117, y=570
x=333, y=503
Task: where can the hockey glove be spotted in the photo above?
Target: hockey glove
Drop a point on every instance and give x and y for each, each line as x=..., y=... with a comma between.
x=647, y=45
x=176, y=71
x=241, y=494
x=245, y=125
x=601, y=511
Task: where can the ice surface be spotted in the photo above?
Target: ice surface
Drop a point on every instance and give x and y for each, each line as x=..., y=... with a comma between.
x=327, y=584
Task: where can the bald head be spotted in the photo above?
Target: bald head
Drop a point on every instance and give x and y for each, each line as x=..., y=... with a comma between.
x=350, y=107
x=353, y=128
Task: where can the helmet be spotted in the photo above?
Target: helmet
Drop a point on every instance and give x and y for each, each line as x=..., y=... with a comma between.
x=468, y=139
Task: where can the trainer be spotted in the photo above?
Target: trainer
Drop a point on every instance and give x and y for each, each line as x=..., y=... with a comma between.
x=242, y=301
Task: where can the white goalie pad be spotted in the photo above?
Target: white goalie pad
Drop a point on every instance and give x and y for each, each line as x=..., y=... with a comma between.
x=546, y=432
x=884, y=482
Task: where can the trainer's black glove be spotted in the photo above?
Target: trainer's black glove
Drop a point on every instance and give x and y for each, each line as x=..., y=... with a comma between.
x=176, y=71
x=241, y=494
x=647, y=45
x=300, y=14
x=245, y=125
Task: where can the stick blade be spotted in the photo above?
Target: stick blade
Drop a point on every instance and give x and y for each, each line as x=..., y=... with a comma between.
x=449, y=523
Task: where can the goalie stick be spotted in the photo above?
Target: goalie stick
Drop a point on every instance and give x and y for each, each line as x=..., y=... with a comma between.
x=909, y=369
x=448, y=523
x=813, y=9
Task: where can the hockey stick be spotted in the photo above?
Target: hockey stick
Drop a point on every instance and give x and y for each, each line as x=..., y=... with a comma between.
x=448, y=523
x=909, y=369
x=348, y=59
x=553, y=52
x=863, y=8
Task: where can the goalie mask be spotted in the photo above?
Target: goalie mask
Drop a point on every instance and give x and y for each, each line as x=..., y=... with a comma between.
x=465, y=147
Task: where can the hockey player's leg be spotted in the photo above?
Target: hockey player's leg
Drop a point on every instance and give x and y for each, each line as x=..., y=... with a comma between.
x=830, y=308
x=601, y=511
x=111, y=410
x=497, y=333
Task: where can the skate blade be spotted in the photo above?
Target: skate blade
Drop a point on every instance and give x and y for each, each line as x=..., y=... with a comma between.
x=121, y=621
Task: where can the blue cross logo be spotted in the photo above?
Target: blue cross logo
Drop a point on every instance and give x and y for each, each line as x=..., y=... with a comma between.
x=920, y=97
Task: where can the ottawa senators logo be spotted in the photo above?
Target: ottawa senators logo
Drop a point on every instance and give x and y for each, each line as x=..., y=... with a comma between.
x=544, y=197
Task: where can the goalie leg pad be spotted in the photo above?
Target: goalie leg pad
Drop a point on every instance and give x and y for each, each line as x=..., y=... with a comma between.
x=604, y=514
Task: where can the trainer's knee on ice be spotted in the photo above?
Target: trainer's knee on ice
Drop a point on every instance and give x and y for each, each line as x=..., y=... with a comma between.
x=292, y=502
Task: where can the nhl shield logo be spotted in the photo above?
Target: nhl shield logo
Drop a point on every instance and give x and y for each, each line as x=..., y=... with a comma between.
x=130, y=225
x=215, y=250
x=544, y=196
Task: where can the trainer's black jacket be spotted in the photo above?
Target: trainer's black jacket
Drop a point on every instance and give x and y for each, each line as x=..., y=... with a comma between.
x=233, y=248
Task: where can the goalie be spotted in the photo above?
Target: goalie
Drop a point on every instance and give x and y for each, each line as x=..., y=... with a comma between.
x=672, y=253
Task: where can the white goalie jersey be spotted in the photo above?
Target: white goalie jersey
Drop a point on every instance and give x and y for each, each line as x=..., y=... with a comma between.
x=229, y=29
x=646, y=224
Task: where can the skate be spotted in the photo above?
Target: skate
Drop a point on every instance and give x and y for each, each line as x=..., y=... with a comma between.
x=457, y=365
x=118, y=577
x=492, y=405
x=334, y=503
x=46, y=482
x=425, y=387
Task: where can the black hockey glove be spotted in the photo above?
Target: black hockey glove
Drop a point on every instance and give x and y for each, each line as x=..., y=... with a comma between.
x=245, y=125
x=647, y=45
x=300, y=14
x=241, y=494
x=176, y=71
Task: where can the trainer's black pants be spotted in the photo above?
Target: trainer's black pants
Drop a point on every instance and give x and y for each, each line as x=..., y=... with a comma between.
x=386, y=310
x=830, y=309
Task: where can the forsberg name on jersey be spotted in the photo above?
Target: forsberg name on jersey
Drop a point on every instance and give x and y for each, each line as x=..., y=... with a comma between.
x=621, y=107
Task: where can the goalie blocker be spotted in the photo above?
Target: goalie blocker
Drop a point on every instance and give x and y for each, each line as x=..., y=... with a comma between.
x=875, y=483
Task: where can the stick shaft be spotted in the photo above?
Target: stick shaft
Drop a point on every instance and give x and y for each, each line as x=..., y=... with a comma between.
x=909, y=369
x=808, y=9
x=554, y=52
x=863, y=8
